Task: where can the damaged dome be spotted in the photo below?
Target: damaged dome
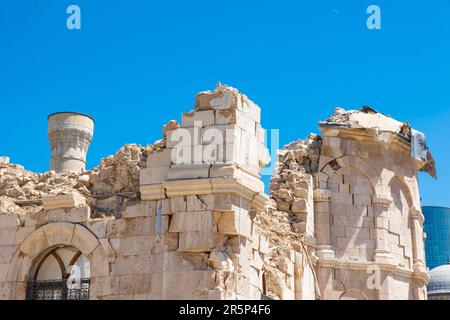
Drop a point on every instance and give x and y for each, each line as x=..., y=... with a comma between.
x=378, y=123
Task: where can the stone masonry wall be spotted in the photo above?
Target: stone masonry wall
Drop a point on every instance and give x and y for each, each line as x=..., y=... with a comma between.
x=183, y=218
x=187, y=217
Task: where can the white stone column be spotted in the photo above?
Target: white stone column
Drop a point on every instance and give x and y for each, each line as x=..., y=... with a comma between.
x=70, y=135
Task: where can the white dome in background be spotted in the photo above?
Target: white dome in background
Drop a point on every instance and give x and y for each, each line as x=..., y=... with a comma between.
x=439, y=280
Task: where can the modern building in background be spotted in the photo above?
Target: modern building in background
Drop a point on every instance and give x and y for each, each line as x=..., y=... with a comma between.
x=437, y=251
x=439, y=286
x=437, y=228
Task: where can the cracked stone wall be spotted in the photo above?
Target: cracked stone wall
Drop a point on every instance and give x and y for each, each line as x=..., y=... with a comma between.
x=187, y=217
x=183, y=218
x=369, y=225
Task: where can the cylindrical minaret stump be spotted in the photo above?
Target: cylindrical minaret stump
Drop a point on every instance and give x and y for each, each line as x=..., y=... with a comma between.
x=70, y=135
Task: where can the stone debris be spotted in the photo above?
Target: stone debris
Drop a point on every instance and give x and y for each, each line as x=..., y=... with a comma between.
x=4, y=160
x=284, y=220
x=155, y=227
x=383, y=128
x=116, y=174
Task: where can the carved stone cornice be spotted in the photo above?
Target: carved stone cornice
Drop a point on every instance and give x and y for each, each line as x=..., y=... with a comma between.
x=363, y=265
x=416, y=214
x=53, y=202
x=205, y=186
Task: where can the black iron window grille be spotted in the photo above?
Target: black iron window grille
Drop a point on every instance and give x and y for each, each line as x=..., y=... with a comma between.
x=71, y=289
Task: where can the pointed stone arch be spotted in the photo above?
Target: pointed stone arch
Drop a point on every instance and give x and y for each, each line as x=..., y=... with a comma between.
x=405, y=187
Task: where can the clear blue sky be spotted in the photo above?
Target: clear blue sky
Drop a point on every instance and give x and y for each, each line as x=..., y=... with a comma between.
x=136, y=64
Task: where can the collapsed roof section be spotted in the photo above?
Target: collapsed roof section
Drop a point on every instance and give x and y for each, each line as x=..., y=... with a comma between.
x=377, y=123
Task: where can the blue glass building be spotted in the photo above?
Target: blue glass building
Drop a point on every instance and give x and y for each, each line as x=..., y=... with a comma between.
x=437, y=228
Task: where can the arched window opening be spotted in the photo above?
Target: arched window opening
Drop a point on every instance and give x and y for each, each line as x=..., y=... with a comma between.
x=61, y=273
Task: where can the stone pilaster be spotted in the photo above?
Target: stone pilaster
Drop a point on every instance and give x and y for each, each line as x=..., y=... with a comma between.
x=324, y=248
x=381, y=206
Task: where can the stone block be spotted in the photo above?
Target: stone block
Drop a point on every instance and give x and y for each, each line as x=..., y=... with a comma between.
x=189, y=284
x=341, y=198
x=220, y=260
x=286, y=266
x=84, y=240
x=22, y=233
x=192, y=221
x=203, y=118
x=51, y=234
x=195, y=203
x=254, y=277
x=8, y=221
x=235, y=222
x=237, y=117
x=188, y=187
x=160, y=158
x=99, y=266
x=129, y=284
x=344, y=188
x=6, y=254
x=251, y=110
x=188, y=171
x=254, y=293
x=382, y=223
x=140, y=209
x=74, y=215
x=226, y=116
x=98, y=228
x=72, y=200
x=171, y=241
x=153, y=175
x=216, y=295
x=123, y=265
x=230, y=133
x=260, y=133
x=4, y=160
x=7, y=236
x=152, y=192
x=164, y=206
x=178, y=204
x=299, y=206
x=361, y=190
x=4, y=272
x=5, y=288
x=264, y=244
x=184, y=137
x=363, y=200
x=257, y=262
x=198, y=241
x=104, y=286
x=187, y=119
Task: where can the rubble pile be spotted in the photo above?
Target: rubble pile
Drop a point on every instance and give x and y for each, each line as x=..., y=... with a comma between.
x=284, y=220
x=384, y=129
x=291, y=181
x=21, y=190
x=118, y=173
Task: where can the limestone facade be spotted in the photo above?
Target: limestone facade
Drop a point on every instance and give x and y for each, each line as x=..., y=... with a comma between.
x=187, y=217
x=370, y=218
